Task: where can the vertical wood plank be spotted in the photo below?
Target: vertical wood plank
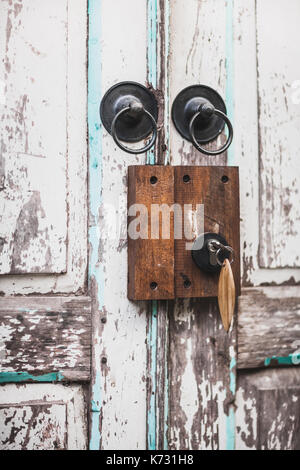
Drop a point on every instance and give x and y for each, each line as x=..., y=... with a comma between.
x=118, y=401
x=158, y=313
x=151, y=255
x=202, y=355
x=152, y=327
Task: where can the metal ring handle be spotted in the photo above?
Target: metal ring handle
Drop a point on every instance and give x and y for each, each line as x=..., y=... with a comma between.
x=196, y=144
x=227, y=248
x=127, y=149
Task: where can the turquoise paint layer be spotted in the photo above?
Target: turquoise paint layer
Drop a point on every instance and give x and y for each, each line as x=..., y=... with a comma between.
x=152, y=327
x=230, y=419
x=166, y=400
x=95, y=180
x=291, y=360
x=152, y=345
x=152, y=56
x=167, y=83
x=230, y=73
x=18, y=377
x=166, y=162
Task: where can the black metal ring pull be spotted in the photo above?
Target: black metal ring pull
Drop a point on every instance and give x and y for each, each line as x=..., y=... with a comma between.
x=134, y=108
x=207, y=110
x=129, y=113
x=199, y=115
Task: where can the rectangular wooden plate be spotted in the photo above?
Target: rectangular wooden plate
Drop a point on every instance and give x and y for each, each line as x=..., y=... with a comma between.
x=150, y=260
x=160, y=268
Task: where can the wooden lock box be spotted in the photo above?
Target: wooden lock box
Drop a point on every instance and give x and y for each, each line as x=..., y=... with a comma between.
x=159, y=266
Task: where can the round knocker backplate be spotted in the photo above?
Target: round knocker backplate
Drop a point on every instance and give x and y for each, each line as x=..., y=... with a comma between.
x=201, y=255
x=128, y=128
x=205, y=131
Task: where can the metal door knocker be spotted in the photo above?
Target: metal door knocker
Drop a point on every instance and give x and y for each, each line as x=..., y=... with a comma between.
x=199, y=115
x=129, y=113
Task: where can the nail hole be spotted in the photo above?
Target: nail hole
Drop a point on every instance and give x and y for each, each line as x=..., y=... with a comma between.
x=186, y=179
x=104, y=360
x=187, y=284
x=103, y=320
x=224, y=179
x=153, y=285
x=153, y=180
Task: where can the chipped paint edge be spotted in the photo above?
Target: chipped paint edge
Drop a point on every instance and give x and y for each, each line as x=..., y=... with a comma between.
x=152, y=12
x=290, y=360
x=24, y=377
x=230, y=418
x=230, y=72
x=166, y=20
x=95, y=178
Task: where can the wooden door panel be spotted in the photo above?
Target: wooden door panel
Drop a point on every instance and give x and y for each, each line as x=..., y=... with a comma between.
x=42, y=417
x=279, y=123
x=43, y=148
x=268, y=410
x=268, y=327
x=44, y=337
x=34, y=137
x=266, y=143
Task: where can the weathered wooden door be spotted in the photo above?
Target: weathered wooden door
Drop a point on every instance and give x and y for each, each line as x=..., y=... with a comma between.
x=164, y=375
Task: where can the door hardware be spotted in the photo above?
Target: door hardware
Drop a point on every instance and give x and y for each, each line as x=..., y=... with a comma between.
x=212, y=254
x=177, y=265
x=210, y=251
x=199, y=115
x=129, y=113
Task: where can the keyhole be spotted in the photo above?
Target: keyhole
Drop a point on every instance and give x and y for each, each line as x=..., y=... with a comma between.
x=153, y=180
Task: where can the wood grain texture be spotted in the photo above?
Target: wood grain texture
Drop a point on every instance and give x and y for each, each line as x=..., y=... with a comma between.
x=221, y=215
x=268, y=326
x=42, y=417
x=151, y=258
x=41, y=335
x=226, y=295
x=268, y=407
x=279, y=122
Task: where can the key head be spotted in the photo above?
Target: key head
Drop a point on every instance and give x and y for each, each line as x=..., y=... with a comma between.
x=204, y=258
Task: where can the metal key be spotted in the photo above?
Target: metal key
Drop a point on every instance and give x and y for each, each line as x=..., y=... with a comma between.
x=226, y=287
x=213, y=246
